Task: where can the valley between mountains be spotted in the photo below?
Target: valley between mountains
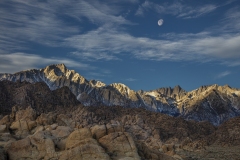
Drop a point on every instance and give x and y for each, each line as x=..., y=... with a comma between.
x=55, y=113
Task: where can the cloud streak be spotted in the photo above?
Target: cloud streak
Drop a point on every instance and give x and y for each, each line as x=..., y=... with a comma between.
x=197, y=47
x=97, y=13
x=45, y=23
x=177, y=9
x=11, y=63
x=223, y=74
x=130, y=79
x=25, y=21
x=197, y=12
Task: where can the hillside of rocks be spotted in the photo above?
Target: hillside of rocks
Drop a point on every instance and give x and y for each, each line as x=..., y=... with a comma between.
x=37, y=95
x=113, y=133
x=213, y=103
x=37, y=123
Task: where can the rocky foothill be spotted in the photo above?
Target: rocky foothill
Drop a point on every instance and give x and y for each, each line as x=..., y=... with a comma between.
x=113, y=133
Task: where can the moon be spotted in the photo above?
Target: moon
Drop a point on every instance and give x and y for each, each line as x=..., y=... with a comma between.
x=160, y=22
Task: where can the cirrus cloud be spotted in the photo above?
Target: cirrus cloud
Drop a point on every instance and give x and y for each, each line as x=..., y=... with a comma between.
x=14, y=62
x=223, y=74
x=178, y=47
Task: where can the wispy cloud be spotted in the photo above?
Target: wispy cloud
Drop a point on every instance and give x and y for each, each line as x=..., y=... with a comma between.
x=130, y=79
x=177, y=9
x=24, y=21
x=231, y=21
x=90, y=56
x=146, y=6
x=197, y=12
x=11, y=63
x=223, y=74
x=108, y=42
x=97, y=13
x=232, y=63
x=198, y=47
x=45, y=23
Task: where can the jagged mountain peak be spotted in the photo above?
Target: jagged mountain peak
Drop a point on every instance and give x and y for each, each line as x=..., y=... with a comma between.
x=122, y=88
x=60, y=70
x=57, y=69
x=97, y=84
x=176, y=92
x=119, y=85
x=61, y=66
x=178, y=87
x=203, y=90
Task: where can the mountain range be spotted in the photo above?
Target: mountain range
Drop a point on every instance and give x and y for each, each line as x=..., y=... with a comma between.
x=41, y=118
x=212, y=103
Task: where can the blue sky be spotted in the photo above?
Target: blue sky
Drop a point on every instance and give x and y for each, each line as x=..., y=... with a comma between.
x=120, y=41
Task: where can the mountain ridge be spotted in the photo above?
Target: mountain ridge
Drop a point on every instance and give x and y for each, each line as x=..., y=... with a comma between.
x=212, y=103
x=45, y=124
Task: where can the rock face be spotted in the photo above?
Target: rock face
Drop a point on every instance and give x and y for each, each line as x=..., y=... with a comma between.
x=106, y=133
x=37, y=95
x=215, y=104
x=55, y=140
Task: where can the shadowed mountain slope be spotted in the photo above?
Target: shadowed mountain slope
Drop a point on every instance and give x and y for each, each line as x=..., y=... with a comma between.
x=37, y=95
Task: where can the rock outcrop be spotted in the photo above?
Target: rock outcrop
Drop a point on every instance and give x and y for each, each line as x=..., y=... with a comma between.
x=112, y=133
